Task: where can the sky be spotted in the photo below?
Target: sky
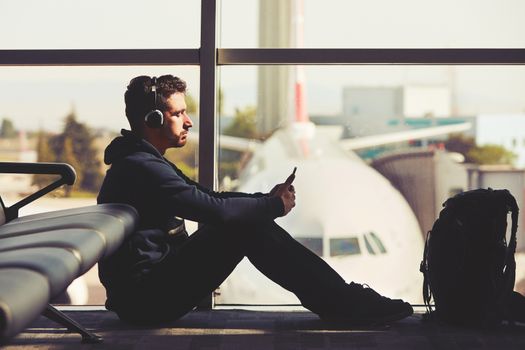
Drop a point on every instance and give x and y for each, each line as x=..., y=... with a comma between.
x=96, y=93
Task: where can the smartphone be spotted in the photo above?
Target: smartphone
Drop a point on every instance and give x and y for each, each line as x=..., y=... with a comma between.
x=290, y=178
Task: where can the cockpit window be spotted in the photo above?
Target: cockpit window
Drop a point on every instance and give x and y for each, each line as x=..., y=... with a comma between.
x=378, y=242
x=373, y=244
x=369, y=246
x=314, y=244
x=344, y=246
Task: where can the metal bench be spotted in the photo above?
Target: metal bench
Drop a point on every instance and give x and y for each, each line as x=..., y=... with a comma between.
x=41, y=254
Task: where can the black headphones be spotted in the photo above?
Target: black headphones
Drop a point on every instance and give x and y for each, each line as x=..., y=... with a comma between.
x=154, y=118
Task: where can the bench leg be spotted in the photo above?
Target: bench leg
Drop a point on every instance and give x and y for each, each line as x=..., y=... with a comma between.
x=59, y=317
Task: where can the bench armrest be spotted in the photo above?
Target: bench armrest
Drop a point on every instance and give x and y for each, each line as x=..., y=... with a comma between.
x=66, y=172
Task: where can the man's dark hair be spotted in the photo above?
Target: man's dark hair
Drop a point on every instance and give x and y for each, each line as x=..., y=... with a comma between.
x=139, y=99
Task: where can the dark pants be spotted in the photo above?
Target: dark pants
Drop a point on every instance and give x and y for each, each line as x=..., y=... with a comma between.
x=204, y=261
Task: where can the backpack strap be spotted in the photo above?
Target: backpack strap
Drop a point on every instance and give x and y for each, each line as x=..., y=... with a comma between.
x=423, y=268
x=509, y=275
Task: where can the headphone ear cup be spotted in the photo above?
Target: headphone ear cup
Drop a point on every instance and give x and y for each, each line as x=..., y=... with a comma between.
x=154, y=119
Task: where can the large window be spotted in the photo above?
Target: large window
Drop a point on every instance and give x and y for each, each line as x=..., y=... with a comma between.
x=38, y=104
x=364, y=209
x=99, y=24
x=370, y=72
x=378, y=23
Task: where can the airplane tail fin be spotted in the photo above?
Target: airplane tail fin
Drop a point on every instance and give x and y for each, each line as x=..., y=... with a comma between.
x=301, y=114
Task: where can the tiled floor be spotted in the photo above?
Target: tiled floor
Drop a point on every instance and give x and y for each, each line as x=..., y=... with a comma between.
x=251, y=330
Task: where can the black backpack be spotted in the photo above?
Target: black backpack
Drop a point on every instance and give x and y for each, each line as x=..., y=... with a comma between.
x=468, y=267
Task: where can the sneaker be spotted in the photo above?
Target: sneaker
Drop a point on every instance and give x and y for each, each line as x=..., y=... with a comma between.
x=366, y=307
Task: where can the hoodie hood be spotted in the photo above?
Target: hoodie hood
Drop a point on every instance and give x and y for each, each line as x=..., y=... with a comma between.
x=127, y=144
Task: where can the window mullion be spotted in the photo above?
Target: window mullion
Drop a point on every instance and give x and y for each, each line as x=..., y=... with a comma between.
x=318, y=56
x=103, y=57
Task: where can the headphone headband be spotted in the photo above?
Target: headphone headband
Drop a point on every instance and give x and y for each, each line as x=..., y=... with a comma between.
x=154, y=118
x=154, y=84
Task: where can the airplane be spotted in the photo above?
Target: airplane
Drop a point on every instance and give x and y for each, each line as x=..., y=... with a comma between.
x=346, y=212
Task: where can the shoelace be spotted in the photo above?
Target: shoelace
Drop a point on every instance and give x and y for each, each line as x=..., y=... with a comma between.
x=363, y=288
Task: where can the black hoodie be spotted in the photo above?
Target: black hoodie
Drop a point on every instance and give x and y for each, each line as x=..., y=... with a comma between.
x=141, y=177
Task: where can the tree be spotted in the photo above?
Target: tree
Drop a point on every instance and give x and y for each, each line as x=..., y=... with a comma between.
x=220, y=101
x=75, y=146
x=487, y=154
x=68, y=156
x=7, y=130
x=491, y=154
x=244, y=123
x=83, y=150
x=44, y=152
x=191, y=104
x=460, y=143
x=44, y=155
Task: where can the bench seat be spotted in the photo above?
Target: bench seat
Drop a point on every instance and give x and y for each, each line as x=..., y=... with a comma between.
x=58, y=265
x=86, y=245
x=41, y=254
x=24, y=294
x=111, y=221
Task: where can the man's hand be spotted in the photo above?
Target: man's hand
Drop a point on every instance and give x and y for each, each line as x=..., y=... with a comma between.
x=286, y=192
x=274, y=189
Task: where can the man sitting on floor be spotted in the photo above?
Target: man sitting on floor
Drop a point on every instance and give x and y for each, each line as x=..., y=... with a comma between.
x=160, y=273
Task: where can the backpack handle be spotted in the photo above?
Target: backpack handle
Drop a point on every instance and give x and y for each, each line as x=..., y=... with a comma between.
x=510, y=261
